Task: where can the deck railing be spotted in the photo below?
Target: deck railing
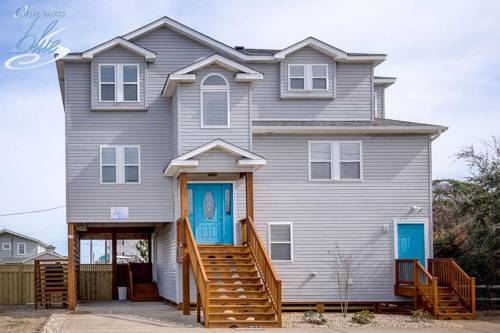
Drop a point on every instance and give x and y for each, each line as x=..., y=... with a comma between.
x=200, y=276
x=272, y=283
x=411, y=272
x=449, y=273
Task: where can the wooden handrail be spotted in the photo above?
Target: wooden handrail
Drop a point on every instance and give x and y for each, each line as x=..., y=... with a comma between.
x=272, y=283
x=411, y=272
x=200, y=276
x=450, y=274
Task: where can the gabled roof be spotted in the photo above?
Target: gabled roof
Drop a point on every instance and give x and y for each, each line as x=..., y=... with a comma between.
x=240, y=53
x=119, y=41
x=191, y=33
x=248, y=159
x=315, y=44
x=13, y=233
x=244, y=73
x=52, y=253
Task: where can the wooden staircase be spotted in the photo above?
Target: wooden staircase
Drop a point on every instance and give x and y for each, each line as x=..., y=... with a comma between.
x=444, y=290
x=237, y=294
x=236, y=285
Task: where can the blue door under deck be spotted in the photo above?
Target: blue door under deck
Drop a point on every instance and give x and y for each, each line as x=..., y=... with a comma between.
x=411, y=243
x=210, y=209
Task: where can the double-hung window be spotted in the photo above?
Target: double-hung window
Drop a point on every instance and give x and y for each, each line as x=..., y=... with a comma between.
x=335, y=160
x=280, y=241
x=120, y=164
x=118, y=82
x=107, y=83
x=21, y=249
x=297, y=77
x=308, y=77
x=214, y=101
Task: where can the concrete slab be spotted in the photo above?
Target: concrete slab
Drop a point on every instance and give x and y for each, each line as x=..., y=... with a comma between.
x=155, y=317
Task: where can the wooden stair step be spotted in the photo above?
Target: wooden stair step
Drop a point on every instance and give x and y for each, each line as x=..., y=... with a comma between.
x=235, y=293
x=216, y=281
x=242, y=316
x=243, y=323
x=240, y=301
x=246, y=287
x=243, y=308
x=234, y=275
x=456, y=316
x=229, y=269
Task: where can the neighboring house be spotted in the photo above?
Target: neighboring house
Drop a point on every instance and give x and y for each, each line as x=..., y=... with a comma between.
x=126, y=250
x=165, y=124
x=16, y=248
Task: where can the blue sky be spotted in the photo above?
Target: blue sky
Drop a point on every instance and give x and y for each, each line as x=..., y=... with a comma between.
x=445, y=55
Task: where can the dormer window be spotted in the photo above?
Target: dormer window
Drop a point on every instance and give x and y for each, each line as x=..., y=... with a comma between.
x=119, y=83
x=308, y=77
x=214, y=101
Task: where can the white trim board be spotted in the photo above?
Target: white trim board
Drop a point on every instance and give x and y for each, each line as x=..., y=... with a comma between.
x=411, y=220
x=118, y=41
x=249, y=159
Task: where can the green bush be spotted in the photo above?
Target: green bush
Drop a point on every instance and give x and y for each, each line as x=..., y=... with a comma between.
x=420, y=315
x=363, y=317
x=312, y=317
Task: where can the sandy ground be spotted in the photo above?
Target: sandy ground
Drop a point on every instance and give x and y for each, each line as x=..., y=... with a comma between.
x=337, y=320
x=22, y=319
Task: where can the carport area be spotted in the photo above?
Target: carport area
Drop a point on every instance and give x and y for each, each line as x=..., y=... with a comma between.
x=126, y=316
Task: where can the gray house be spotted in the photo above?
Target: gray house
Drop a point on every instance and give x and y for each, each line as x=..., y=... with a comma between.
x=21, y=249
x=245, y=166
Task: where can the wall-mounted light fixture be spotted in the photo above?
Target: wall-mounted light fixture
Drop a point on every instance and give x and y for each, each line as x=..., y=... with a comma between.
x=385, y=228
x=415, y=209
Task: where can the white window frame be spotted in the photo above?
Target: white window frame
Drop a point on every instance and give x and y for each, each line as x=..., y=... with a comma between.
x=120, y=164
x=18, y=246
x=207, y=89
x=138, y=164
x=123, y=83
x=360, y=160
x=308, y=77
x=269, y=240
x=100, y=82
x=311, y=160
x=335, y=160
x=119, y=83
x=6, y=248
x=290, y=77
x=319, y=77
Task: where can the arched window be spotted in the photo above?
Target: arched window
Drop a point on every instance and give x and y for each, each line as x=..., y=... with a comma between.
x=214, y=101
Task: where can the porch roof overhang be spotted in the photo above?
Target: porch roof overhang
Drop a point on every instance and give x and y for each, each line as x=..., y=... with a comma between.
x=185, y=162
x=185, y=75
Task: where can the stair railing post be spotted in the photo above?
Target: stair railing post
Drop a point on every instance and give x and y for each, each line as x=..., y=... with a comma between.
x=278, y=303
x=415, y=281
x=473, y=297
x=244, y=232
x=435, y=298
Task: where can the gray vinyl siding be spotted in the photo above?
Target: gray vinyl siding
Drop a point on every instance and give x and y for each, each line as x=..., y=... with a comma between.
x=166, y=264
x=87, y=199
x=353, y=99
x=117, y=55
x=191, y=135
x=307, y=55
x=348, y=213
x=11, y=255
x=218, y=161
x=379, y=91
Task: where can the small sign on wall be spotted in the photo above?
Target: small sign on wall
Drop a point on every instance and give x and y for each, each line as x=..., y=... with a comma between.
x=119, y=213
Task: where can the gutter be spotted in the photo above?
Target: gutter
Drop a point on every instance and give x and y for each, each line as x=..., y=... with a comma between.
x=436, y=130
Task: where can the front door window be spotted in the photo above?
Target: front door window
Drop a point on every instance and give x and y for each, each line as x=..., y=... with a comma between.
x=209, y=206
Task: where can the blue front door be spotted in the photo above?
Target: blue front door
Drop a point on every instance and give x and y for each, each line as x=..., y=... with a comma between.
x=411, y=244
x=211, y=212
